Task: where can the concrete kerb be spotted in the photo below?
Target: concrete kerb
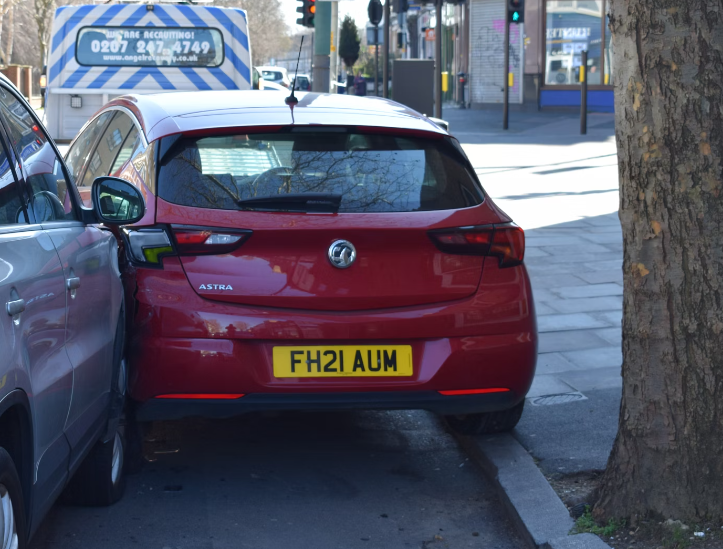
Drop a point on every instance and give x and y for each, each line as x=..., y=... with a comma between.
x=538, y=514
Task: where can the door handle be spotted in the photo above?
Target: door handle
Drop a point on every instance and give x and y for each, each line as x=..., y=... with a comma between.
x=15, y=307
x=73, y=283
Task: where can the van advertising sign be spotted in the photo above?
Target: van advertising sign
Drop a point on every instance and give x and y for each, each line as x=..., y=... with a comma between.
x=149, y=46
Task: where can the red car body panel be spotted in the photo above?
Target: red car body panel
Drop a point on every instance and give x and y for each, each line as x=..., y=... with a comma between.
x=470, y=323
x=186, y=344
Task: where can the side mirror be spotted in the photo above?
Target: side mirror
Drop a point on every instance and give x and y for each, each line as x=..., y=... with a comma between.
x=117, y=202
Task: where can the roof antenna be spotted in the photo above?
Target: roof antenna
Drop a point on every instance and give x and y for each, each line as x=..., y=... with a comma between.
x=292, y=100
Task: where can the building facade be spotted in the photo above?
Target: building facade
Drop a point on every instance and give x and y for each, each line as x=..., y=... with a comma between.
x=545, y=52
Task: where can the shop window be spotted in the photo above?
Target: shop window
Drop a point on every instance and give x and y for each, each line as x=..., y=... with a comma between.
x=608, y=78
x=574, y=26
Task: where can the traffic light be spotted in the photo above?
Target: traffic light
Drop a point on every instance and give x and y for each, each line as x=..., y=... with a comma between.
x=307, y=9
x=516, y=11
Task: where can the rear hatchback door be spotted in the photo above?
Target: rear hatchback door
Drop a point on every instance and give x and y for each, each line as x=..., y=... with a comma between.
x=249, y=233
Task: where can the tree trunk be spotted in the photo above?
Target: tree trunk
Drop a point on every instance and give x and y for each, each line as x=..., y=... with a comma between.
x=11, y=33
x=668, y=76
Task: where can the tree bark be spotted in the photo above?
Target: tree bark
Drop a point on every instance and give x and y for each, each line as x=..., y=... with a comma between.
x=668, y=76
x=11, y=33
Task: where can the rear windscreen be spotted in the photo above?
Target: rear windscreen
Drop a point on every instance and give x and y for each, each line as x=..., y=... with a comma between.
x=149, y=46
x=372, y=173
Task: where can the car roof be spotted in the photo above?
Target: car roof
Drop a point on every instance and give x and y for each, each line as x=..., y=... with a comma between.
x=271, y=68
x=162, y=114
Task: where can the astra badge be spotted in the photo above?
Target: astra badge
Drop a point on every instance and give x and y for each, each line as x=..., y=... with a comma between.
x=342, y=254
x=215, y=287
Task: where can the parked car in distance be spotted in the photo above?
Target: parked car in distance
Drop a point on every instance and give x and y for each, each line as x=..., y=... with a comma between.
x=277, y=75
x=335, y=253
x=63, y=370
x=273, y=86
x=303, y=82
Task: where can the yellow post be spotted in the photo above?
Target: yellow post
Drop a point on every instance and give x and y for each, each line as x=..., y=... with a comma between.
x=445, y=81
x=582, y=73
x=511, y=79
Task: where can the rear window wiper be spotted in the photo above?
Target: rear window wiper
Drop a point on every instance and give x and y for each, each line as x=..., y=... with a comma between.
x=300, y=202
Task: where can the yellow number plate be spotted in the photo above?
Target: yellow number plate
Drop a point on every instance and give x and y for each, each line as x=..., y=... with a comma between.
x=343, y=361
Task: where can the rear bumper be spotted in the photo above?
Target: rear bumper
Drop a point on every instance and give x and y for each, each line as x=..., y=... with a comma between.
x=165, y=409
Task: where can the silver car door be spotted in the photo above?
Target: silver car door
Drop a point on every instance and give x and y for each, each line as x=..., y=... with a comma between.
x=32, y=288
x=88, y=256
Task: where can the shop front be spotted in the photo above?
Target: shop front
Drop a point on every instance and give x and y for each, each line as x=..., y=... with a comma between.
x=571, y=27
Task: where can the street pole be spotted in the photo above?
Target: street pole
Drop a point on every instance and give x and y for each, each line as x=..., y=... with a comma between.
x=376, y=61
x=333, y=63
x=438, y=64
x=583, y=97
x=385, y=73
x=506, y=105
x=322, y=46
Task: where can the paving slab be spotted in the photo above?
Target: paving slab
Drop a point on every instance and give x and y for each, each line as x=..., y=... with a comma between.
x=551, y=342
x=593, y=379
x=542, y=308
x=548, y=385
x=574, y=321
x=588, y=304
x=555, y=280
x=615, y=318
x=553, y=363
x=595, y=358
x=600, y=277
x=614, y=336
x=590, y=290
x=604, y=238
x=606, y=264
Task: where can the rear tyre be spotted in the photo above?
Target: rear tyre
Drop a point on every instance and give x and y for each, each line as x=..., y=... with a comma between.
x=101, y=480
x=12, y=510
x=488, y=423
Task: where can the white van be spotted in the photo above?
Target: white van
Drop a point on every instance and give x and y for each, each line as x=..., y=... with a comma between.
x=98, y=52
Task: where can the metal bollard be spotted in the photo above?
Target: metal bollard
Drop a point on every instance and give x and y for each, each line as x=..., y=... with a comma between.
x=583, y=96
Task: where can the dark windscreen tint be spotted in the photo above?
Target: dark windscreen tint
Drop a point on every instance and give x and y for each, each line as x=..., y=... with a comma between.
x=372, y=173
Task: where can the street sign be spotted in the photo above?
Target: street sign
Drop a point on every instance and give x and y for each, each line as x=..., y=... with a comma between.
x=429, y=35
x=375, y=11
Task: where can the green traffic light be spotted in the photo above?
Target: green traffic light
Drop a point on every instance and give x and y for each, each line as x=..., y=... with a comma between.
x=516, y=16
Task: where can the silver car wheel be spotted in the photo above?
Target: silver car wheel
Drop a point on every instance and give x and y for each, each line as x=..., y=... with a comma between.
x=8, y=528
x=117, y=467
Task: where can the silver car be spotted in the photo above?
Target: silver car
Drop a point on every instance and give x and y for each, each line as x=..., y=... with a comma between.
x=62, y=367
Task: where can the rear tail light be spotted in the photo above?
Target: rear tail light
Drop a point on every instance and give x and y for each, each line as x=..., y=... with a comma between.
x=207, y=241
x=505, y=242
x=148, y=246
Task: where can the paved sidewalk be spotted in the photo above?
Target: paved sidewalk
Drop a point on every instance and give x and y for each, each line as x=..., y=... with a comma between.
x=562, y=188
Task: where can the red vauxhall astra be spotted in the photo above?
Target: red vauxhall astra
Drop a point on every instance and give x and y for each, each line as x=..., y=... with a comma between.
x=337, y=253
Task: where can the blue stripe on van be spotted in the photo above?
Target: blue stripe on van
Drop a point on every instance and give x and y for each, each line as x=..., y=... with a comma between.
x=69, y=25
x=60, y=65
x=195, y=78
x=166, y=19
x=236, y=32
x=139, y=75
x=109, y=14
x=240, y=66
x=103, y=77
x=74, y=78
x=136, y=16
x=189, y=14
x=224, y=78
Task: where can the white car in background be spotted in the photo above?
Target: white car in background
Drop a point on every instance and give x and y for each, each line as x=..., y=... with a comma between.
x=277, y=75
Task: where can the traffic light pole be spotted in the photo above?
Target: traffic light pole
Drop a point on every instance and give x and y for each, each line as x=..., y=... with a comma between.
x=506, y=104
x=438, y=61
x=322, y=47
x=385, y=57
x=376, y=60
